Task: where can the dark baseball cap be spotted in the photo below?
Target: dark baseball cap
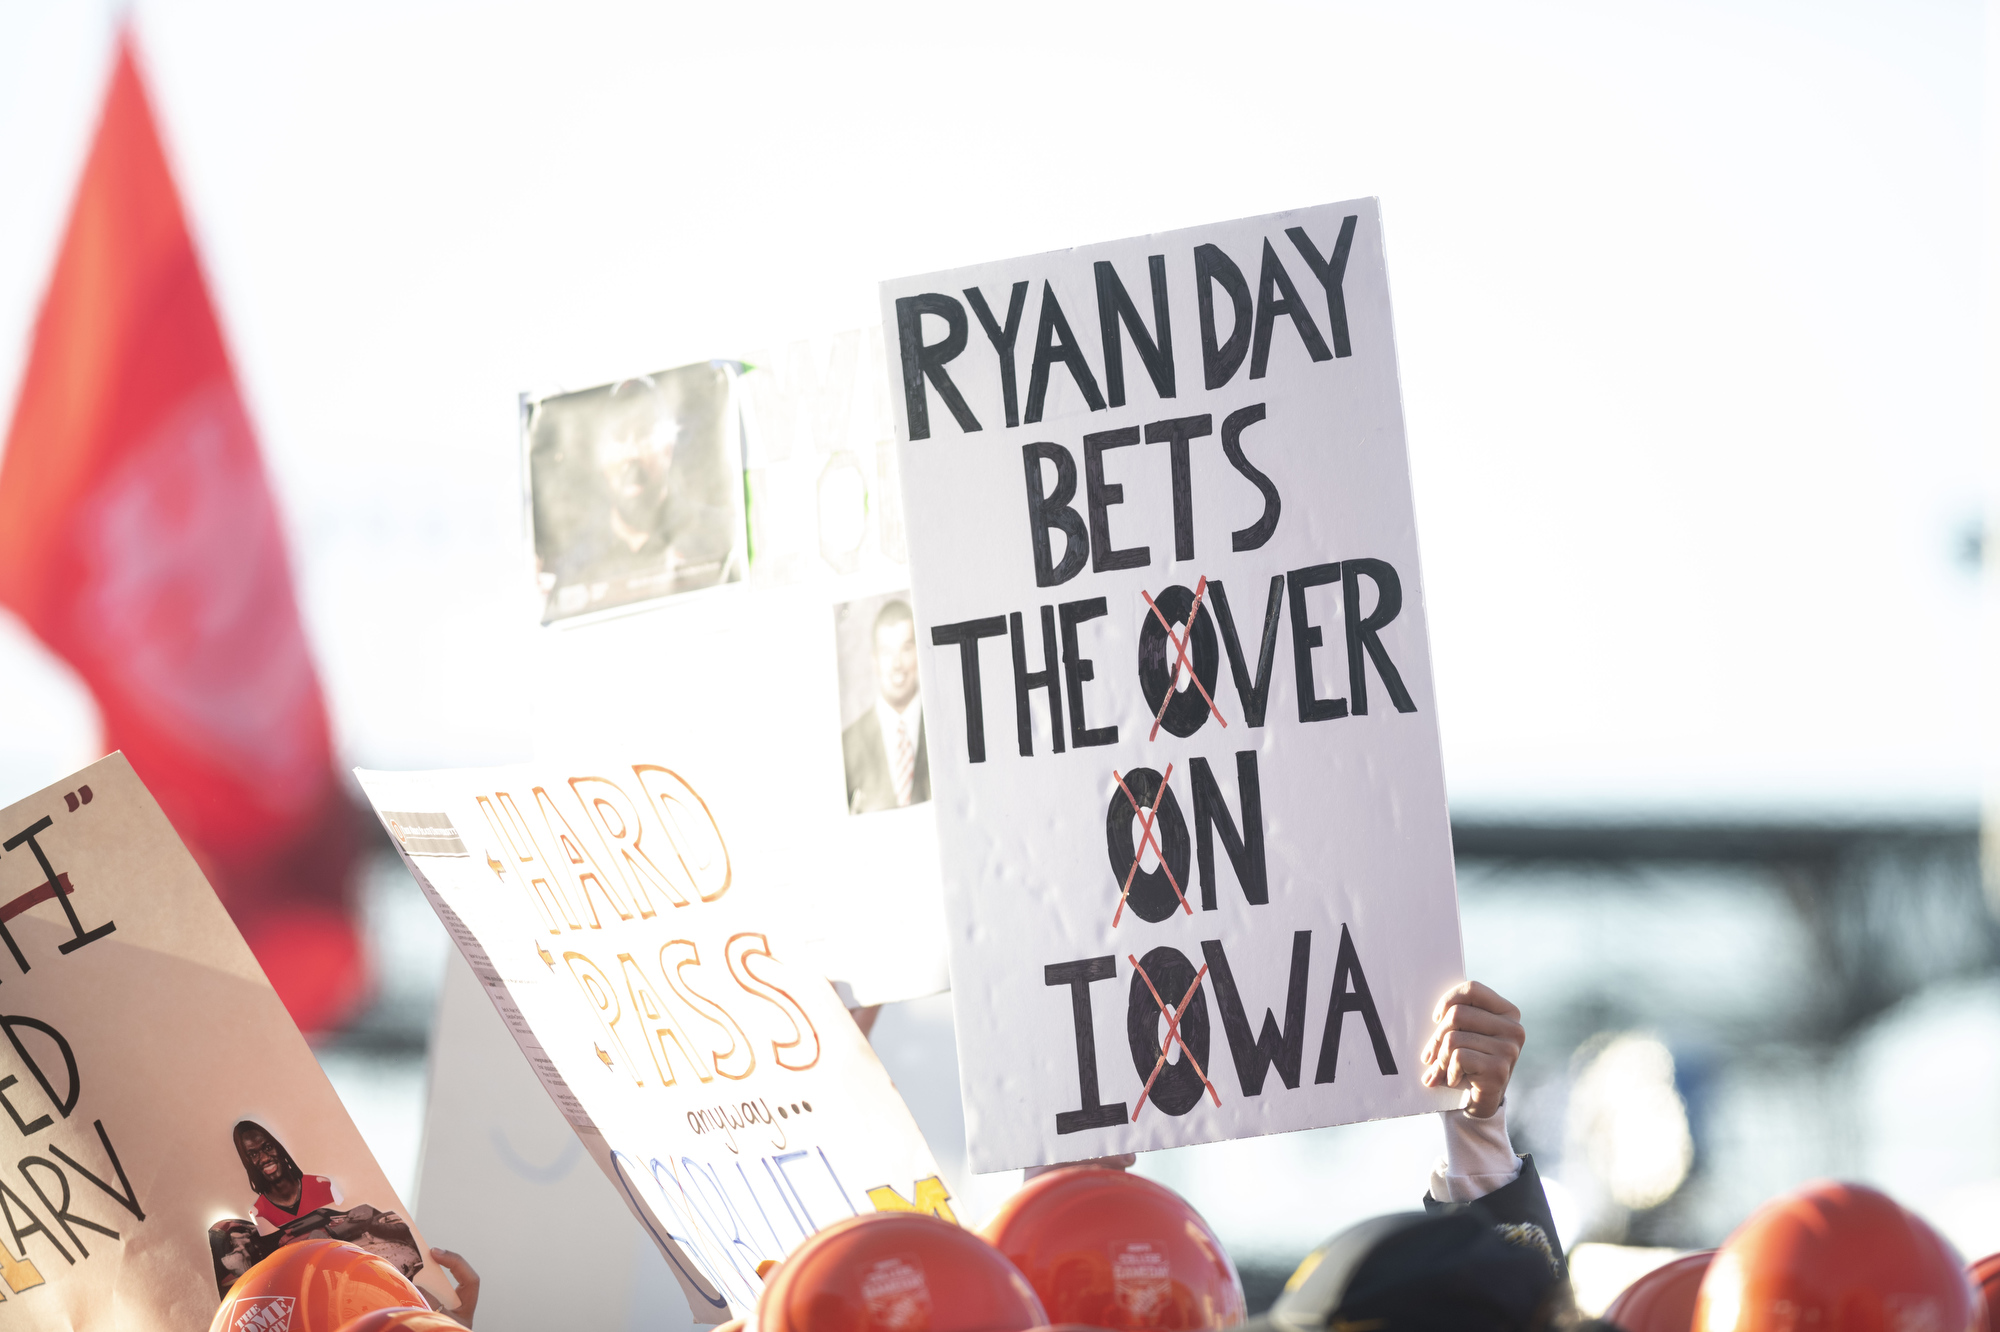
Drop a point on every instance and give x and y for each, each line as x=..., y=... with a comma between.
x=1412, y=1272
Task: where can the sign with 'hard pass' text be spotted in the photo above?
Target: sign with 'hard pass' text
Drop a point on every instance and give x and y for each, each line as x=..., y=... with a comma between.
x=1185, y=750
x=637, y=954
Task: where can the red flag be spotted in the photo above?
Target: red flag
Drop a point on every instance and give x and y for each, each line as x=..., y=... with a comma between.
x=140, y=541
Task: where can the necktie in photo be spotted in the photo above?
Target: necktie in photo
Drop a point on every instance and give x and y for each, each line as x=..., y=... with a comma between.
x=906, y=760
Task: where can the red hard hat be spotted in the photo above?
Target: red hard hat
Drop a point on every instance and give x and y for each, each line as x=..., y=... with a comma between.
x=1985, y=1274
x=1115, y=1250
x=1663, y=1299
x=404, y=1320
x=313, y=1286
x=1835, y=1258
x=897, y=1272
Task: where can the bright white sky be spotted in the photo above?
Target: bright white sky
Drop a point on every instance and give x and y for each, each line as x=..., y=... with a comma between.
x=1687, y=299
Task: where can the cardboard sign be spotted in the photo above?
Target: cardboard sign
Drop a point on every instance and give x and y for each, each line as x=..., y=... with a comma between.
x=618, y=926
x=1184, y=748
x=168, y=1124
x=815, y=648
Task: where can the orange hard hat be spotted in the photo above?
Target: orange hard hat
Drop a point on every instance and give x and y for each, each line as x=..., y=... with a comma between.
x=1115, y=1250
x=315, y=1285
x=1985, y=1275
x=1835, y=1258
x=404, y=1320
x=897, y=1272
x=1663, y=1299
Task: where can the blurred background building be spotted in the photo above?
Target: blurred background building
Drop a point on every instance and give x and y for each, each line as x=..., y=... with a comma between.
x=1689, y=304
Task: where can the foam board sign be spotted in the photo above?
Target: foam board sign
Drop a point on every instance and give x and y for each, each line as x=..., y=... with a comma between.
x=1184, y=746
x=794, y=624
x=166, y=1123
x=617, y=925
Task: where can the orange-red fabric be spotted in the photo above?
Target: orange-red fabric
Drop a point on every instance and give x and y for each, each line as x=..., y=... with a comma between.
x=1115, y=1250
x=896, y=1272
x=404, y=1320
x=1985, y=1275
x=139, y=540
x=313, y=1286
x=1835, y=1258
x=1663, y=1299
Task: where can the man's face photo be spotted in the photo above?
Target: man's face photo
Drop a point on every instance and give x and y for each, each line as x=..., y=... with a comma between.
x=882, y=740
x=265, y=1158
x=896, y=658
x=636, y=490
x=635, y=457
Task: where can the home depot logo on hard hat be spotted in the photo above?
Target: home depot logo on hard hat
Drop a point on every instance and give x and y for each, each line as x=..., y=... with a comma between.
x=897, y=1295
x=261, y=1313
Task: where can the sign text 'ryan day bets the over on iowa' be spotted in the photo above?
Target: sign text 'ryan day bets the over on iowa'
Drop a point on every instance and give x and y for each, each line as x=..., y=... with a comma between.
x=1154, y=745
x=726, y=1094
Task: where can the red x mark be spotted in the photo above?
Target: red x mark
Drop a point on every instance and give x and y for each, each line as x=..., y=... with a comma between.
x=34, y=897
x=1180, y=641
x=1173, y=1035
x=1146, y=817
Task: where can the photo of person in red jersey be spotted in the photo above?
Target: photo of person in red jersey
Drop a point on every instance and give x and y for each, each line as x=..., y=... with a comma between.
x=285, y=1194
x=288, y=1205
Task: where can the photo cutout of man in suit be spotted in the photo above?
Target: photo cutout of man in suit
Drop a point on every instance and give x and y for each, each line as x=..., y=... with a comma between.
x=888, y=762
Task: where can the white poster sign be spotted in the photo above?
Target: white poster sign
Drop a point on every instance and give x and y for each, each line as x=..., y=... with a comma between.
x=816, y=644
x=1185, y=751
x=621, y=933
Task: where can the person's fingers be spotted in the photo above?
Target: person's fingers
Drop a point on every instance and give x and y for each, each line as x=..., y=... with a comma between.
x=1497, y=1033
x=1485, y=1087
x=1472, y=994
x=455, y=1264
x=1445, y=1041
x=1459, y=1068
x=466, y=1279
x=1463, y=1017
x=1482, y=1077
x=1472, y=1020
x=1468, y=1068
x=1460, y=1040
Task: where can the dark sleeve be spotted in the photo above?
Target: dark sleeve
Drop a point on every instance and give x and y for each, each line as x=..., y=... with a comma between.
x=1519, y=1210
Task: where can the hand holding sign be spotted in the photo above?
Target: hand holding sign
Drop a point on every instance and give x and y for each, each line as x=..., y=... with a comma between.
x=1477, y=1041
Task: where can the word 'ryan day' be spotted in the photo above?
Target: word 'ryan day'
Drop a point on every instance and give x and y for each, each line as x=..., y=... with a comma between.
x=1315, y=312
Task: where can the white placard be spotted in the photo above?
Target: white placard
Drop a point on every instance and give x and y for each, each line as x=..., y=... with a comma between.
x=815, y=646
x=1093, y=440
x=620, y=932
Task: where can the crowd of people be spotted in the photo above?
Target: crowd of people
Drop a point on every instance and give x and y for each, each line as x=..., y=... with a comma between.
x=1089, y=1245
